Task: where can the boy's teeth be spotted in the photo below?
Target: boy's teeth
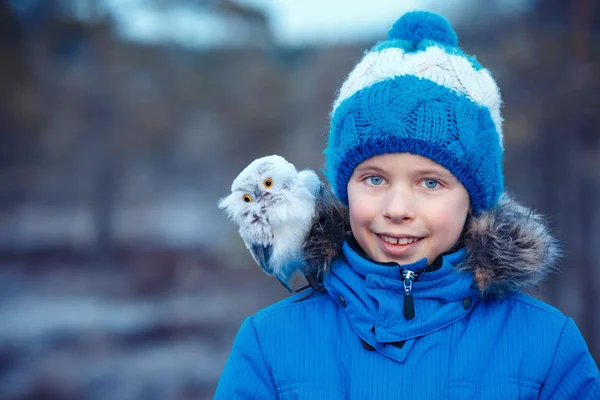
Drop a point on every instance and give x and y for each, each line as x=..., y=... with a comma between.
x=402, y=241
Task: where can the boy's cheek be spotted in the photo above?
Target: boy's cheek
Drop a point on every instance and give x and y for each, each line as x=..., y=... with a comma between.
x=355, y=216
x=358, y=217
x=359, y=207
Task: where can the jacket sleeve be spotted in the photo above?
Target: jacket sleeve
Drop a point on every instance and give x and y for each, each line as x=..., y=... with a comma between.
x=573, y=373
x=246, y=375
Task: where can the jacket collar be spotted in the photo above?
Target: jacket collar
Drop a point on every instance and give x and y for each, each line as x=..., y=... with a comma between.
x=373, y=296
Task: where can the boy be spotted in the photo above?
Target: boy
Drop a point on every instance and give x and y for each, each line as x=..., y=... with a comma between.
x=424, y=300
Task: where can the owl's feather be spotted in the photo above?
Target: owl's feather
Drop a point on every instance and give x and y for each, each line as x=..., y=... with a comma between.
x=276, y=222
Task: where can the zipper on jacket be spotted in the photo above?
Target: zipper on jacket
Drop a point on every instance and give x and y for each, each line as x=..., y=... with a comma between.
x=408, y=277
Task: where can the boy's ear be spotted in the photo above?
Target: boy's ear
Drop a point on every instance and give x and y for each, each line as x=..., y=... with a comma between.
x=470, y=211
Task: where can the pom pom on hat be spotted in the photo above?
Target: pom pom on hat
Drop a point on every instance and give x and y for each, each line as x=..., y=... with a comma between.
x=417, y=26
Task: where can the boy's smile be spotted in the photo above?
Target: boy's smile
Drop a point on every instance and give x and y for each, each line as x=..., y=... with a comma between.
x=405, y=207
x=396, y=246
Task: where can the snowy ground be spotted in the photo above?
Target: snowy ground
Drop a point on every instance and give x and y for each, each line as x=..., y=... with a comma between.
x=75, y=332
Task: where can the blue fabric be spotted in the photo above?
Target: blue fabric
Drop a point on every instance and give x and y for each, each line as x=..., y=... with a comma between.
x=418, y=30
x=415, y=115
x=407, y=113
x=417, y=26
x=313, y=349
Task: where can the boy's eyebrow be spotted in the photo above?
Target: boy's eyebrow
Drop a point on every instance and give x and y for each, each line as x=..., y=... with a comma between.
x=437, y=171
x=422, y=171
x=367, y=167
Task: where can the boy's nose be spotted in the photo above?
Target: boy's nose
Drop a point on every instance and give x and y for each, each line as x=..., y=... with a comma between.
x=400, y=205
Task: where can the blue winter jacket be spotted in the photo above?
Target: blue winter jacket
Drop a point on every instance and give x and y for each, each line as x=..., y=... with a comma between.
x=464, y=334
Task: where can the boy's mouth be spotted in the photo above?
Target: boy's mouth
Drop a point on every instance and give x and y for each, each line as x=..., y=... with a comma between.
x=403, y=241
x=395, y=246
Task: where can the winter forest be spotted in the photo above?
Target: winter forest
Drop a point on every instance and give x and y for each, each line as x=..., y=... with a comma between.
x=120, y=278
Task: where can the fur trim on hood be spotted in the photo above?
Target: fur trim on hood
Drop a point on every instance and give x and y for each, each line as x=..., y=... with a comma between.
x=509, y=248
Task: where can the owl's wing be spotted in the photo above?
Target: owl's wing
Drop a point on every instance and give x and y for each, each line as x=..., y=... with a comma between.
x=261, y=255
x=311, y=181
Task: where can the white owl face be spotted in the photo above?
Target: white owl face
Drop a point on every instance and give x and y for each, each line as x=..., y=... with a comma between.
x=263, y=185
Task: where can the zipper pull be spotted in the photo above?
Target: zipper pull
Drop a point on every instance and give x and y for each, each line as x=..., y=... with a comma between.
x=409, y=301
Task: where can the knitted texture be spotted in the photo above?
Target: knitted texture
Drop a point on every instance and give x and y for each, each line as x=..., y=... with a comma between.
x=418, y=92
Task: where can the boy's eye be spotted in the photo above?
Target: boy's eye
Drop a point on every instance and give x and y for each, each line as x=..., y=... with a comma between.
x=375, y=180
x=430, y=183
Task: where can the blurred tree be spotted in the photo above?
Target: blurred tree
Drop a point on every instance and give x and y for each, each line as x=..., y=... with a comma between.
x=567, y=151
x=17, y=137
x=81, y=34
x=255, y=21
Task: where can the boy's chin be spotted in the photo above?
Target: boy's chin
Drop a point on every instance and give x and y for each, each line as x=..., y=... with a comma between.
x=401, y=260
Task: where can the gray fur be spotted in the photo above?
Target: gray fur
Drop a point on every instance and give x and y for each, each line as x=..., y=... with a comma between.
x=509, y=248
x=330, y=226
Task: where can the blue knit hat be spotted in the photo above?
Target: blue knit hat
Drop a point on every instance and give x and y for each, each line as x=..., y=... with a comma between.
x=417, y=92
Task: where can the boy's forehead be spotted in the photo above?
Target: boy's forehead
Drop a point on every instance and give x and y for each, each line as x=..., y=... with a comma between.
x=402, y=161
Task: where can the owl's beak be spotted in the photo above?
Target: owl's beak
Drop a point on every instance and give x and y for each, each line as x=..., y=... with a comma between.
x=261, y=255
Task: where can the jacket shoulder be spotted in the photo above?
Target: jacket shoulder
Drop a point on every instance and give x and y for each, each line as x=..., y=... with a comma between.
x=292, y=325
x=523, y=313
x=534, y=305
x=536, y=315
x=293, y=305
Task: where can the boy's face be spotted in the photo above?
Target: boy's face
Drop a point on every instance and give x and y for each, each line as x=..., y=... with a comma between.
x=404, y=207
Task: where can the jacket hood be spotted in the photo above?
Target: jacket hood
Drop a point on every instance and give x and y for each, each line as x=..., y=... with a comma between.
x=509, y=248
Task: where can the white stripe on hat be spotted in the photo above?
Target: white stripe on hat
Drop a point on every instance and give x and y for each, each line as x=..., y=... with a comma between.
x=452, y=71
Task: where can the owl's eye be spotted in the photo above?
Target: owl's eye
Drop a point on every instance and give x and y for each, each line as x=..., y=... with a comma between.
x=247, y=198
x=268, y=182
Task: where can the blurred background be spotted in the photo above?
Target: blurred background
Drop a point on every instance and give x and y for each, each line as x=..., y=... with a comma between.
x=124, y=121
